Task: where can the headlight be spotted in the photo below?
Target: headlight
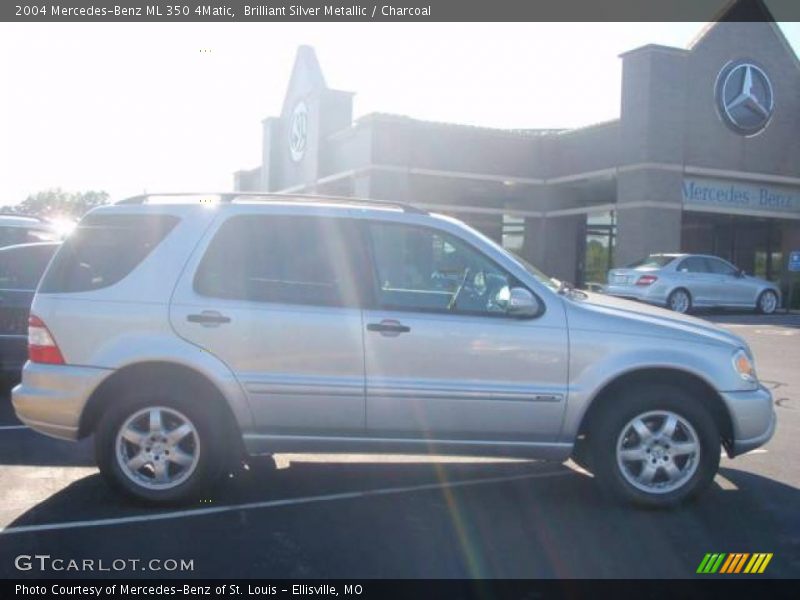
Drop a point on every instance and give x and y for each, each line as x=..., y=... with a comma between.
x=744, y=366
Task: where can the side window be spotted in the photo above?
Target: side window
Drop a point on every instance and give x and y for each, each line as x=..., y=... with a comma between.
x=693, y=264
x=417, y=268
x=281, y=259
x=103, y=250
x=720, y=267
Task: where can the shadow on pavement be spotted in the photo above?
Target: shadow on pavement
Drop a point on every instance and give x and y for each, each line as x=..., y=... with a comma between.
x=545, y=526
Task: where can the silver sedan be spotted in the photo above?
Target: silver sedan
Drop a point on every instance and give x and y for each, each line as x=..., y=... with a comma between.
x=685, y=281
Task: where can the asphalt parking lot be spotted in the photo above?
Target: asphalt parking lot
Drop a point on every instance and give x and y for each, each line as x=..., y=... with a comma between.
x=360, y=516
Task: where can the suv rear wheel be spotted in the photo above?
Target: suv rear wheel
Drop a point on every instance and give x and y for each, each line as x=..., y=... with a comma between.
x=159, y=449
x=656, y=446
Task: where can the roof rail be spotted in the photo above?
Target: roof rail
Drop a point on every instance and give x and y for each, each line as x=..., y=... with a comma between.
x=229, y=197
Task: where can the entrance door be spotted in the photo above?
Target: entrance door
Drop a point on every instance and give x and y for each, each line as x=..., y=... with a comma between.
x=443, y=361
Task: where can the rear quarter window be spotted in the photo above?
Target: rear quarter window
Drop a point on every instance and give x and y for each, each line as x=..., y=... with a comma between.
x=103, y=250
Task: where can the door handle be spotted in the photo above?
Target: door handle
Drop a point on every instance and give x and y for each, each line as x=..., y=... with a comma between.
x=209, y=318
x=389, y=327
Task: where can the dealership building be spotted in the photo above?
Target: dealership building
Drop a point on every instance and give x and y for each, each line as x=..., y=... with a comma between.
x=705, y=157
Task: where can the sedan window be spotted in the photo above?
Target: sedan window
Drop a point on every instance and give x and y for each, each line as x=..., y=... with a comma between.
x=694, y=264
x=720, y=267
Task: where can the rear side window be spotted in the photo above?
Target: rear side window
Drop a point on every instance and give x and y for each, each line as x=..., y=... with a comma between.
x=282, y=259
x=21, y=268
x=103, y=250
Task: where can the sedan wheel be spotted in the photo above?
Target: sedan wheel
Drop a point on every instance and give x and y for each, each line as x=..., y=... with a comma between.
x=679, y=301
x=767, y=302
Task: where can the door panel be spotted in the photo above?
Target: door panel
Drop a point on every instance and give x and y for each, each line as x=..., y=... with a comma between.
x=275, y=298
x=694, y=275
x=452, y=365
x=465, y=377
x=731, y=290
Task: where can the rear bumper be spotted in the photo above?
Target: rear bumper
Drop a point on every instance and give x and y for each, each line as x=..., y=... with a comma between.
x=753, y=417
x=649, y=294
x=51, y=398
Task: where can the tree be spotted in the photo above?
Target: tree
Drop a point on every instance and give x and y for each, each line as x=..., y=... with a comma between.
x=56, y=203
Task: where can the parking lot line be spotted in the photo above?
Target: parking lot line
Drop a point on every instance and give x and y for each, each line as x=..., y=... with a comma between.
x=4, y=427
x=199, y=512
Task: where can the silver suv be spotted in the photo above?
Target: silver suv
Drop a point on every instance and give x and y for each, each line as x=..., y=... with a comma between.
x=182, y=332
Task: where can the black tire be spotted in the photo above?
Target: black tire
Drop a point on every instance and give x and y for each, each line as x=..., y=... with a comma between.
x=672, y=297
x=214, y=456
x=613, y=419
x=759, y=308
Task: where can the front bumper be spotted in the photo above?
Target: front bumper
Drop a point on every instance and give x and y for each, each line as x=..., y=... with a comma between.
x=51, y=398
x=753, y=417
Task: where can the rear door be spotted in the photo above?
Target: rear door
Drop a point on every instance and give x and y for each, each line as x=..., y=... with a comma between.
x=275, y=297
x=695, y=275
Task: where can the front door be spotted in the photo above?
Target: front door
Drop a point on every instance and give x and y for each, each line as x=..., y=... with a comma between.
x=731, y=289
x=443, y=360
x=276, y=298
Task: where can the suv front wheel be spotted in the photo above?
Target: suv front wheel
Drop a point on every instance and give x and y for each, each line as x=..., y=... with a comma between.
x=655, y=445
x=159, y=450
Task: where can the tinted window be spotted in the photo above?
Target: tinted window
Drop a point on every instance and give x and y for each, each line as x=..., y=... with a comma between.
x=104, y=249
x=10, y=236
x=694, y=264
x=422, y=269
x=21, y=268
x=654, y=261
x=720, y=267
x=283, y=259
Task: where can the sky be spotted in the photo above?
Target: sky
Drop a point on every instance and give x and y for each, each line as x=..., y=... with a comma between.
x=127, y=108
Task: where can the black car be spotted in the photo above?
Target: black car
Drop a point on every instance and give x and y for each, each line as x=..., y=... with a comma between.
x=21, y=267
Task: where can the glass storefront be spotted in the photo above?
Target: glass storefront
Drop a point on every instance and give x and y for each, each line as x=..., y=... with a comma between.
x=751, y=243
x=601, y=233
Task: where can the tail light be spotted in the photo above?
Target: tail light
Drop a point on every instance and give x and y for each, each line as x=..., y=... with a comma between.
x=42, y=347
x=646, y=280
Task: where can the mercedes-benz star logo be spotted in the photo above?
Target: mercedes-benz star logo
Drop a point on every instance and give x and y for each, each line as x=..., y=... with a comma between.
x=744, y=97
x=298, y=132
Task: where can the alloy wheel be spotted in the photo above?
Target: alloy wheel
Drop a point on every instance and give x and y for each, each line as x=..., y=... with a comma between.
x=768, y=303
x=157, y=448
x=658, y=452
x=679, y=301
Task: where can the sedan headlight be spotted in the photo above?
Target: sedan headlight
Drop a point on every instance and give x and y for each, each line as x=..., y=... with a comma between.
x=743, y=365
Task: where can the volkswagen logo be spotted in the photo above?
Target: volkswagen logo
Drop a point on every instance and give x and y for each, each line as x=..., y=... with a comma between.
x=744, y=97
x=298, y=132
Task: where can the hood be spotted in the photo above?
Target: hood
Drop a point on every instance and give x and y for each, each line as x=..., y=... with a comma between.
x=616, y=315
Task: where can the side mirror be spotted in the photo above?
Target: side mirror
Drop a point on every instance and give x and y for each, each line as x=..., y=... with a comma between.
x=522, y=303
x=740, y=273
